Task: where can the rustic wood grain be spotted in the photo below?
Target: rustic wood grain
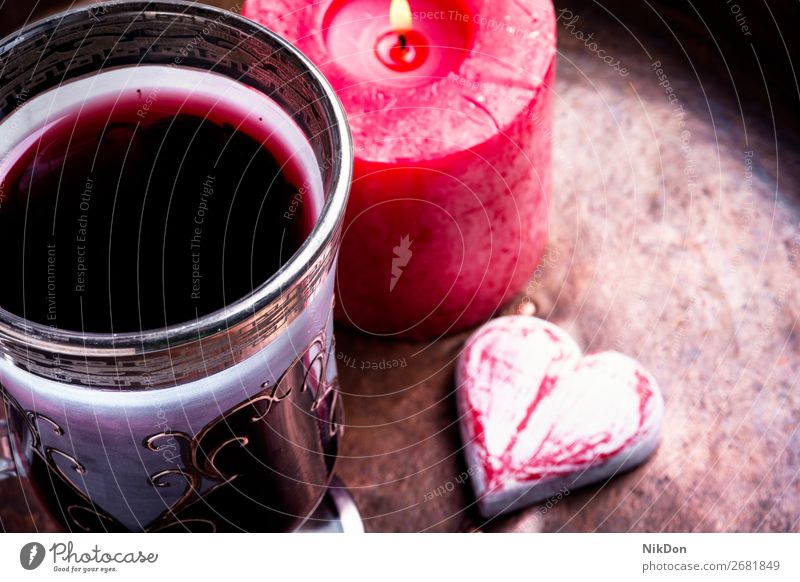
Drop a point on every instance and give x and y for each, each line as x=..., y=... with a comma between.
x=697, y=278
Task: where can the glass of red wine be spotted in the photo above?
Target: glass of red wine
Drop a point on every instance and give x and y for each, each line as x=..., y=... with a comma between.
x=172, y=184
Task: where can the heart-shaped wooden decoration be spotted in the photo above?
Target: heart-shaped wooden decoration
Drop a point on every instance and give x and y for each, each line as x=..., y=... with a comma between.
x=538, y=417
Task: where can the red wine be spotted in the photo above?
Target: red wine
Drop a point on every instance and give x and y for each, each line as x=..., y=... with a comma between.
x=147, y=207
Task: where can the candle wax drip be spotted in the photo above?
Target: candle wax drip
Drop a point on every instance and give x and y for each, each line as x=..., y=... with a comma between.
x=404, y=51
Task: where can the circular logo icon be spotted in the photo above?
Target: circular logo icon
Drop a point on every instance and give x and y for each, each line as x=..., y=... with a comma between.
x=31, y=555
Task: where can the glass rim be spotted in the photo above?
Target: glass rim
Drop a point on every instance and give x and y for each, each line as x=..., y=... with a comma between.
x=55, y=340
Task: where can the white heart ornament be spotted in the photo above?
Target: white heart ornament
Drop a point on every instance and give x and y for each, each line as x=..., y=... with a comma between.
x=538, y=417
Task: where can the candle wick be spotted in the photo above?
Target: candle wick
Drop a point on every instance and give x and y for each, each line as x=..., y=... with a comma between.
x=403, y=42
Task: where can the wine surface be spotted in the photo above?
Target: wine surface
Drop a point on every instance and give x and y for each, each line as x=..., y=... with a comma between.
x=150, y=205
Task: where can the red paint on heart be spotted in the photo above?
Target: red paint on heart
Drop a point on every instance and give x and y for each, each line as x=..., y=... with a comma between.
x=535, y=409
x=645, y=393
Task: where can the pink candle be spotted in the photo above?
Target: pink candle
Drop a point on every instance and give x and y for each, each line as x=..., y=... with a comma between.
x=451, y=114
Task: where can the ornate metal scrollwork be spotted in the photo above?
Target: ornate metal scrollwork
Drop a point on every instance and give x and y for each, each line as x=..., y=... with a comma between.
x=77, y=514
x=84, y=508
x=33, y=417
x=212, y=461
x=76, y=465
x=201, y=454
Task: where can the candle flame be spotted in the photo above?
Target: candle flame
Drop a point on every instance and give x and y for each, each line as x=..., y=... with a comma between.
x=400, y=15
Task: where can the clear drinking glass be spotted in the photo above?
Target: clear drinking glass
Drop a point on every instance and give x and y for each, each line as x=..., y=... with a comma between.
x=226, y=423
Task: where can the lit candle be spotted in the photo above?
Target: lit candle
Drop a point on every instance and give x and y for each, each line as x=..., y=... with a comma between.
x=450, y=109
x=402, y=48
x=379, y=42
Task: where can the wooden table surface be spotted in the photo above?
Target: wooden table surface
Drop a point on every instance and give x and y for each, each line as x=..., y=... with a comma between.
x=670, y=242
